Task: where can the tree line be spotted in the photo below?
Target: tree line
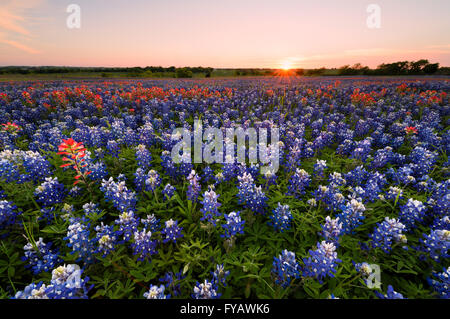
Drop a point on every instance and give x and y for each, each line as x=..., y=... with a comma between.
x=128, y=71
x=420, y=67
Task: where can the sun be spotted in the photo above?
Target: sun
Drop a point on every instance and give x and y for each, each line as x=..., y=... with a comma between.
x=285, y=70
x=286, y=66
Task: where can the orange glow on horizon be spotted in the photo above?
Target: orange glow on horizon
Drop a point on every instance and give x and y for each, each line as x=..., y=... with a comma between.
x=286, y=66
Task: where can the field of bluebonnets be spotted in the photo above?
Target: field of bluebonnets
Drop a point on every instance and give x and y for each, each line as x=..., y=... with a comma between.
x=93, y=206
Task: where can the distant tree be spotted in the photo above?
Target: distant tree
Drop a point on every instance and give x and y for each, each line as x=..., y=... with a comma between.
x=431, y=68
x=209, y=72
x=443, y=70
x=183, y=73
x=417, y=66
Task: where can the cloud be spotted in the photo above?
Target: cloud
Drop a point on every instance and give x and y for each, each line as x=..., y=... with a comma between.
x=20, y=46
x=13, y=22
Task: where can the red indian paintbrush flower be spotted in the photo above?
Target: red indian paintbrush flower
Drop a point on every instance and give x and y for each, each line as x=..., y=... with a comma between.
x=74, y=156
x=411, y=130
x=11, y=127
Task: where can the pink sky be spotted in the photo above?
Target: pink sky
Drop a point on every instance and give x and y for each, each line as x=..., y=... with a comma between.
x=232, y=33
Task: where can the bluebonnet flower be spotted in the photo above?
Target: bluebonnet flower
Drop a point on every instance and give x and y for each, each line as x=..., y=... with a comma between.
x=436, y=244
x=35, y=165
x=139, y=179
x=387, y=233
x=40, y=256
x=146, y=134
x=308, y=150
x=13, y=163
x=219, y=178
x=391, y=294
x=91, y=209
x=425, y=184
x=194, y=186
x=99, y=153
x=185, y=167
x=412, y=213
x=50, y=192
x=67, y=211
x=75, y=191
x=382, y=157
x=156, y=292
x=66, y=283
x=78, y=236
x=403, y=175
x=33, y=291
x=334, y=202
x=270, y=177
x=370, y=191
x=281, y=218
x=253, y=170
x=234, y=225
x=294, y=156
x=250, y=195
x=422, y=159
x=285, y=268
x=298, y=182
x=331, y=197
x=440, y=199
x=113, y=148
x=362, y=149
x=98, y=171
x=207, y=175
x=441, y=223
x=168, y=165
x=356, y=176
x=346, y=147
x=256, y=200
x=118, y=193
x=441, y=283
x=323, y=261
x=172, y=231
x=143, y=245
x=336, y=180
x=106, y=239
x=205, y=290
x=47, y=214
x=152, y=180
x=319, y=167
x=351, y=216
x=168, y=191
x=220, y=275
x=394, y=193
x=151, y=223
x=143, y=157
x=229, y=169
x=128, y=223
x=210, y=207
x=331, y=230
x=363, y=268
x=312, y=202
x=8, y=213
x=171, y=281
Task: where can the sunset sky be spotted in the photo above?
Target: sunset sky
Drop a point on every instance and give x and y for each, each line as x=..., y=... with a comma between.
x=226, y=33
